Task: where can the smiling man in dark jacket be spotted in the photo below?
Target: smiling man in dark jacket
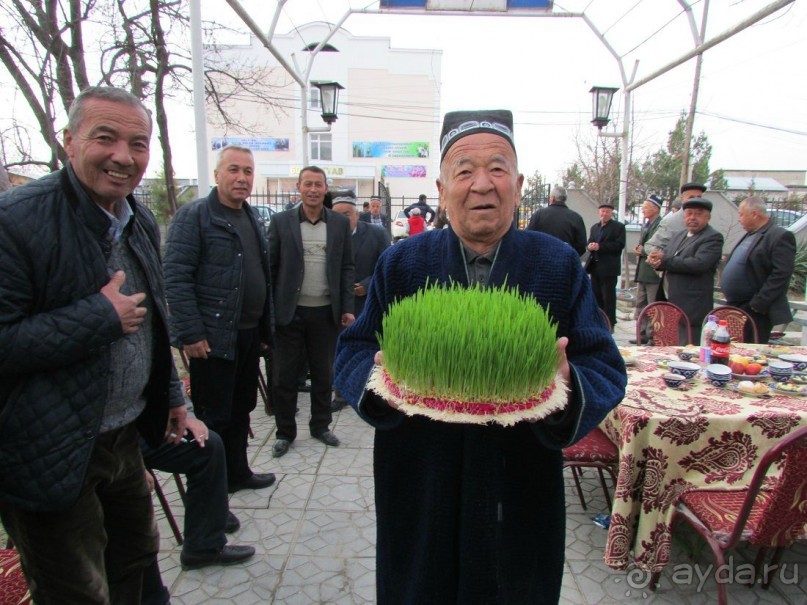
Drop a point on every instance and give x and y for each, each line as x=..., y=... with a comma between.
x=219, y=291
x=84, y=357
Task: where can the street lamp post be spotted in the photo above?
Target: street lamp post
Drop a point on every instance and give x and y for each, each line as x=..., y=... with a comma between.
x=329, y=97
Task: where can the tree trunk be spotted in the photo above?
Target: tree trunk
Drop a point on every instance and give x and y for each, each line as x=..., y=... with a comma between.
x=159, y=104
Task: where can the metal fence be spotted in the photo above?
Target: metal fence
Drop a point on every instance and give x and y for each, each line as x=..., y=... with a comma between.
x=782, y=212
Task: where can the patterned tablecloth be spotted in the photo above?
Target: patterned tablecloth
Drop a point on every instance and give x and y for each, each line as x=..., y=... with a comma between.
x=672, y=441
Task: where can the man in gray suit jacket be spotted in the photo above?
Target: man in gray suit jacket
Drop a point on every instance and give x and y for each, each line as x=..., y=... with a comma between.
x=313, y=275
x=689, y=262
x=757, y=274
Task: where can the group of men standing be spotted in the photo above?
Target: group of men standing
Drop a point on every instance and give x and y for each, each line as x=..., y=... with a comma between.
x=678, y=256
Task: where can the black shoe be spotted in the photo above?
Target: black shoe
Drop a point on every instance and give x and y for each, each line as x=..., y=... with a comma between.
x=328, y=438
x=304, y=388
x=256, y=481
x=337, y=404
x=232, y=524
x=280, y=448
x=633, y=341
x=228, y=555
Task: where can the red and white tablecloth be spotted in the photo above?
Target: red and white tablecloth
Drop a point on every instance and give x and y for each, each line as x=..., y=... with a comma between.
x=672, y=441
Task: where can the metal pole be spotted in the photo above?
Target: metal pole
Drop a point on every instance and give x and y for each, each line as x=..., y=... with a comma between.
x=686, y=167
x=746, y=23
x=197, y=64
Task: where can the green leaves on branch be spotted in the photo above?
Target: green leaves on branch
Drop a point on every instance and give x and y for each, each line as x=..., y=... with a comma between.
x=470, y=344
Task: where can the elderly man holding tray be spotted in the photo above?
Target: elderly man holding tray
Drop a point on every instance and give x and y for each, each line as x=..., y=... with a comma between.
x=473, y=512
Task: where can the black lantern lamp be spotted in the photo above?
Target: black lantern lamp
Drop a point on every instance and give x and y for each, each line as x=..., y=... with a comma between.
x=329, y=95
x=601, y=105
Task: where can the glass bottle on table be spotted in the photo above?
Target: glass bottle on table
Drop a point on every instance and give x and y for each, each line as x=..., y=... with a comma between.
x=706, y=339
x=721, y=343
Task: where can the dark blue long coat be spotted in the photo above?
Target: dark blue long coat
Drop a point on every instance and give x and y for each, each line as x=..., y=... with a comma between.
x=475, y=514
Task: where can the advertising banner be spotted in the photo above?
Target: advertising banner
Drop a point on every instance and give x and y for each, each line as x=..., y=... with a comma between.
x=406, y=172
x=383, y=149
x=253, y=143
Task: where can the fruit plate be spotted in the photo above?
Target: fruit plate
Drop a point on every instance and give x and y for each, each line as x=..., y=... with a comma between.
x=752, y=377
x=788, y=388
x=734, y=388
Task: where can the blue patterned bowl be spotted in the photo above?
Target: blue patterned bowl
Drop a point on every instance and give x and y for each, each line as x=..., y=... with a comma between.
x=718, y=374
x=687, y=369
x=780, y=371
x=673, y=380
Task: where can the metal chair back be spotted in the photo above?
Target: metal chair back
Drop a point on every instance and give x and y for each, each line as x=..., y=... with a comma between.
x=668, y=324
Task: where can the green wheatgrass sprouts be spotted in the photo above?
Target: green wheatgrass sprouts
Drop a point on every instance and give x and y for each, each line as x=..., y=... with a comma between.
x=470, y=344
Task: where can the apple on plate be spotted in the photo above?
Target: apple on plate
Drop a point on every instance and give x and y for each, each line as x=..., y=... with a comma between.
x=738, y=367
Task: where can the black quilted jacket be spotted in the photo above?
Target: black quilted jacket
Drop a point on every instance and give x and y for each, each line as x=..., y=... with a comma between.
x=55, y=333
x=204, y=280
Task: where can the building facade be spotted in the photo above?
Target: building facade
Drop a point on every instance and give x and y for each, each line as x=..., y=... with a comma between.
x=388, y=115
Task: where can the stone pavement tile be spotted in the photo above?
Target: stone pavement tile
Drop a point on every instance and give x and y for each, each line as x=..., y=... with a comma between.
x=351, y=461
x=336, y=534
x=327, y=580
x=304, y=456
x=584, y=539
x=253, y=582
x=340, y=493
x=293, y=491
x=254, y=498
x=270, y=531
x=354, y=435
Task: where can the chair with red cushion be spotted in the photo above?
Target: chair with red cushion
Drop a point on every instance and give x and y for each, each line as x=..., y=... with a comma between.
x=736, y=319
x=594, y=450
x=667, y=323
x=13, y=586
x=767, y=514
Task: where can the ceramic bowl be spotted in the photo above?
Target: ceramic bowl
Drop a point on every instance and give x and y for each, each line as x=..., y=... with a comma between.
x=718, y=374
x=780, y=371
x=687, y=369
x=799, y=361
x=673, y=380
x=688, y=354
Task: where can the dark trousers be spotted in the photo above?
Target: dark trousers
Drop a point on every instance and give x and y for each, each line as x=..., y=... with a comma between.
x=205, y=471
x=605, y=293
x=94, y=552
x=763, y=323
x=310, y=336
x=224, y=392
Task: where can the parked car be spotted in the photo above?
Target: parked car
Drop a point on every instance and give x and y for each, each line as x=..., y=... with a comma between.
x=784, y=217
x=265, y=213
x=400, y=226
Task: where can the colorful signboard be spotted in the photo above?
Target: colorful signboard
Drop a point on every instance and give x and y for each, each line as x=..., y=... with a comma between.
x=406, y=172
x=383, y=149
x=253, y=143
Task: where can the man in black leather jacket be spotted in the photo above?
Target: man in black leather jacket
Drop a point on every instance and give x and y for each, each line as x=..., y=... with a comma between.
x=85, y=361
x=219, y=289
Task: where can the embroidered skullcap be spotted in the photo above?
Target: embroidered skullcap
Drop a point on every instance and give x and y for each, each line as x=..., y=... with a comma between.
x=458, y=124
x=656, y=199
